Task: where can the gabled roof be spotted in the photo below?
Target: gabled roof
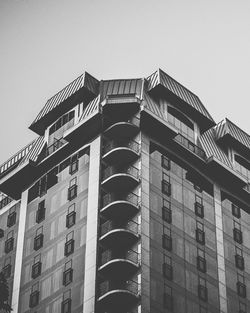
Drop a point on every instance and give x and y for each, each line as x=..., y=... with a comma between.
x=162, y=79
x=227, y=130
x=85, y=85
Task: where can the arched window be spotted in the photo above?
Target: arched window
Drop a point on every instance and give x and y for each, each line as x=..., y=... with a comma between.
x=242, y=166
x=180, y=121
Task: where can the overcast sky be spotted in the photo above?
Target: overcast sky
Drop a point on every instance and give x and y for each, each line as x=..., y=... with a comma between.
x=45, y=44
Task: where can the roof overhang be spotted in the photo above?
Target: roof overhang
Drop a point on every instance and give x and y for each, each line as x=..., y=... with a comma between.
x=160, y=91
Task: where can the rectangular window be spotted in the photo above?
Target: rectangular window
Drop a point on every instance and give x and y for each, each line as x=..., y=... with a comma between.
x=7, y=268
x=239, y=259
x=167, y=239
x=197, y=188
x=11, y=220
x=66, y=304
x=242, y=307
x=34, y=296
x=202, y=289
x=71, y=216
x=73, y=168
x=9, y=243
x=165, y=162
x=166, y=211
x=168, y=298
x=1, y=233
x=199, y=208
x=166, y=187
x=241, y=287
x=38, y=240
x=40, y=213
x=42, y=186
x=68, y=273
x=72, y=191
x=200, y=234
x=235, y=210
x=167, y=268
x=69, y=244
x=201, y=261
x=237, y=234
x=36, y=267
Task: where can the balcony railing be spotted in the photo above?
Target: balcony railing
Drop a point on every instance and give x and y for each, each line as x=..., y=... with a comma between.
x=133, y=145
x=55, y=146
x=111, y=225
x=129, y=285
x=5, y=201
x=111, y=170
x=134, y=120
x=111, y=197
x=190, y=146
x=109, y=255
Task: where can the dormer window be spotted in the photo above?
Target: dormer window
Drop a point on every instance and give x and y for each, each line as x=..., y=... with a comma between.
x=180, y=121
x=242, y=166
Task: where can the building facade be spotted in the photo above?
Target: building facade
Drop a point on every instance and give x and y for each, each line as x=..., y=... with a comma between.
x=131, y=199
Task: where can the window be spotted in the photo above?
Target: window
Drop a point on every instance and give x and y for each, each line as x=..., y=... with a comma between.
x=202, y=289
x=235, y=210
x=72, y=191
x=180, y=121
x=71, y=216
x=239, y=260
x=68, y=273
x=7, y=268
x=11, y=220
x=42, y=186
x=168, y=298
x=197, y=188
x=69, y=245
x=40, y=213
x=167, y=268
x=61, y=121
x=73, y=168
x=66, y=304
x=165, y=162
x=34, y=296
x=167, y=239
x=241, y=287
x=200, y=234
x=166, y=211
x=9, y=243
x=1, y=233
x=242, y=166
x=242, y=307
x=165, y=185
x=199, y=208
x=237, y=233
x=38, y=240
x=201, y=261
x=36, y=267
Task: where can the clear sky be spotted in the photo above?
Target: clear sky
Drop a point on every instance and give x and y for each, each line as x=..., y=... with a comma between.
x=45, y=44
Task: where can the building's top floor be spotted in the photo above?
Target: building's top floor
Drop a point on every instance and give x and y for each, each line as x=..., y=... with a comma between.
x=78, y=108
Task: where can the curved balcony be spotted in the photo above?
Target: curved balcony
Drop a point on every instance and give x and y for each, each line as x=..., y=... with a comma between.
x=116, y=295
x=121, y=151
x=117, y=179
x=120, y=206
x=122, y=129
x=118, y=264
x=115, y=233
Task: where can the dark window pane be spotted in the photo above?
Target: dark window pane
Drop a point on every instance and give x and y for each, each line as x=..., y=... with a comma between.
x=201, y=264
x=200, y=236
x=9, y=244
x=11, y=219
x=70, y=219
x=167, y=215
x=237, y=235
x=166, y=187
x=34, y=299
x=72, y=192
x=67, y=276
x=199, y=209
x=202, y=292
x=66, y=306
x=36, y=269
x=38, y=242
x=69, y=247
x=241, y=290
x=167, y=242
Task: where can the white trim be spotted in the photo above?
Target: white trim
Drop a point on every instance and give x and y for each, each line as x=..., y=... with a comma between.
x=19, y=252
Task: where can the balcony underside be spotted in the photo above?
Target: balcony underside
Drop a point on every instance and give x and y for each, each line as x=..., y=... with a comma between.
x=118, y=268
x=121, y=130
x=117, y=299
x=120, y=155
x=119, y=238
x=120, y=182
x=119, y=209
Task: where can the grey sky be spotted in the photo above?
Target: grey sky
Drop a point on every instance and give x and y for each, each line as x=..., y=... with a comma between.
x=45, y=44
